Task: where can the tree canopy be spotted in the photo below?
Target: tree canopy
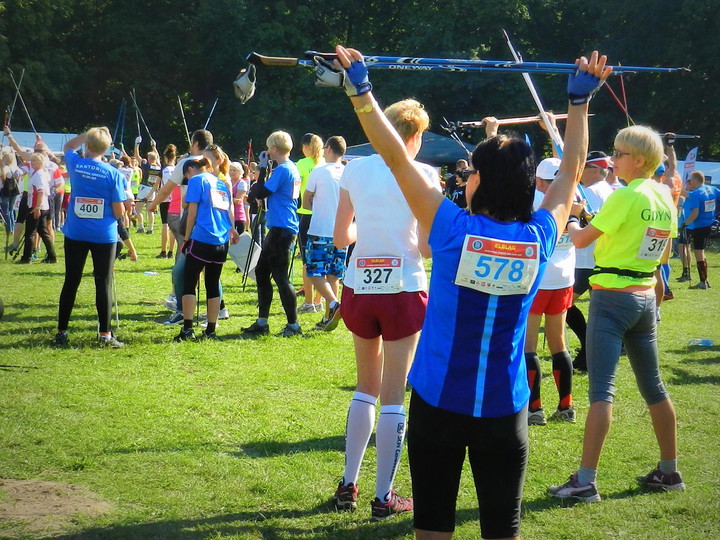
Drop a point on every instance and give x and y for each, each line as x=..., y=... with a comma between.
x=83, y=57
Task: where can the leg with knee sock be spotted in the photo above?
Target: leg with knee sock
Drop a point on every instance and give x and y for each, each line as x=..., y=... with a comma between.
x=358, y=428
x=389, y=443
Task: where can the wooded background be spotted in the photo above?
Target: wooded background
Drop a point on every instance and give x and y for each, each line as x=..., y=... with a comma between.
x=82, y=58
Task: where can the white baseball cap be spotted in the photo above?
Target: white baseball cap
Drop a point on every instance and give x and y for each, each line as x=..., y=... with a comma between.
x=548, y=168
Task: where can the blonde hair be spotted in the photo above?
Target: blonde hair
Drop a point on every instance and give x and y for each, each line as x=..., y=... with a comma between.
x=220, y=156
x=408, y=117
x=37, y=156
x=98, y=140
x=280, y=140
x=641, y=141
x=314, y=145
x=698, y=176
x=153, y=157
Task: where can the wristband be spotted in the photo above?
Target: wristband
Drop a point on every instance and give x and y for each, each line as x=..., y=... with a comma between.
x=573, y=219
x=367, y=108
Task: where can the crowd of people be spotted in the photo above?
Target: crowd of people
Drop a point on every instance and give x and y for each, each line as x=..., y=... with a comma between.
x=511, y=241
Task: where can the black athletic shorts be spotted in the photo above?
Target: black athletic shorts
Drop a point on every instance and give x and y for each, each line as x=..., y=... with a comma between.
x=163, y=206
x=582, y=283
x=699, y=237
x=497, y=450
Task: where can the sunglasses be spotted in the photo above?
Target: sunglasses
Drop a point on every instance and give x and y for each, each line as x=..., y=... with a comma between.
x=465, y=174
x=616, y=154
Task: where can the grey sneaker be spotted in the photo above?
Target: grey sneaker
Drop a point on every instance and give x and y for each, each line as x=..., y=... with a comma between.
x=223, y=314
x=564, y=415
x=170, y=302
x=333, y=318
x=321, y=324
x=657, y=479
x=572, y=490
x=306, y=308
x=205, y=336
x=701, y=285
x=111, y=342
x=289, y=331
x=537, y=418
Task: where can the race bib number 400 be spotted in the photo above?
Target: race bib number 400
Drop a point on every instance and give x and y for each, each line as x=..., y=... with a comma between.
x=710, y=206
x=378, y=275
x=87, y=208
x=653, y=244
x=499, y=267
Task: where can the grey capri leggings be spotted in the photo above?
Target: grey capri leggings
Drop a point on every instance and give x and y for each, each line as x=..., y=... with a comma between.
x=616, y=317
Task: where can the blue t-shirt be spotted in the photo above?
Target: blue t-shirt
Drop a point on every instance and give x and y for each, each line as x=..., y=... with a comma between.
x=95, y=186
x=284, y=182
x=706, y=199
x=470, y=356
x=212, y=195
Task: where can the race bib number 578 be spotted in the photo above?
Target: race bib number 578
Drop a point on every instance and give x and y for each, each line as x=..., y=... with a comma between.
x=499, y=267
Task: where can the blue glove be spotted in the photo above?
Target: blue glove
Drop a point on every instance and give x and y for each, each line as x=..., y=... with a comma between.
x=357, y=82
x=264, y=158
x=582, y=87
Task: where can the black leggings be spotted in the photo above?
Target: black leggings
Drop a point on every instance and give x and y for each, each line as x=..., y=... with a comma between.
x=204, y=256
x=39, y=225
x=103, y=256
x=275, y=261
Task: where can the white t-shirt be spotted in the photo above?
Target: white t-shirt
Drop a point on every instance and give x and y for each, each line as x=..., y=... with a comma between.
x=166, y=174
x=596, y=194
x=560, y=268
x=385, y=225
x=39, y=180
x=324, y=182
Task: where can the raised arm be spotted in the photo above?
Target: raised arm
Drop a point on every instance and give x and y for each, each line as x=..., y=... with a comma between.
x=581, y=87
x=25, y=156
x=422, y=196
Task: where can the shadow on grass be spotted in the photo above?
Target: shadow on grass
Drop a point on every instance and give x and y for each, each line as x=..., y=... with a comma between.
x=261, y=449
x=681, y=376
x=259, y=524
x=24, y=369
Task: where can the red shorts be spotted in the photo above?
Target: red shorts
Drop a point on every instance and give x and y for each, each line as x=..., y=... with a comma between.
x=392, y=316
x=552, y=302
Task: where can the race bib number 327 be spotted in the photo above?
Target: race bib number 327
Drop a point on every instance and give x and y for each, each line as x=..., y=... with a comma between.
x=499, y=267
x=378, y=275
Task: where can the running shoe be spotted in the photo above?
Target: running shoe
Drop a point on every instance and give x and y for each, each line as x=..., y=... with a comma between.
x=321, y=325
x=701, y=285
x=61, y=339
x=657, y=479
x=23, y=261
x=306, y=308
x=289, y=331
x=162, y=255
x=223, y=314
x=345, y=497
x=110, y=341
x=141, y=230
x=669, y=295
x=396, y=505
x=47, y=260
x=683, y=278
x=573, y=490
x=256, y=330
x=170, y=302
x=12, y=248
x=177, y=318
x=564, y=415
x=185, y=335
x=537, y=418
x=333, y=318
x=149, y=231
x=169, y=255
x=205, y=336
x=580, y=362
x=319, y=307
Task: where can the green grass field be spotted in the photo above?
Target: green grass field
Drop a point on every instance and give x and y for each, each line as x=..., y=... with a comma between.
x=245, y=439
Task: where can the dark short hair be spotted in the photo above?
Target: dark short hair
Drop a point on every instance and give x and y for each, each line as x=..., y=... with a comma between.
x=507, y=178
x=203, y=138
x=195, y=162
x=337, y=145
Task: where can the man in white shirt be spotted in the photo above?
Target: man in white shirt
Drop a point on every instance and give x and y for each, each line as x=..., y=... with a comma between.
x=325, y=263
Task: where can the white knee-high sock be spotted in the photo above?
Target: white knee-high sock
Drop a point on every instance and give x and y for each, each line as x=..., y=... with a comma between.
x=389, y=443
x=359, y=426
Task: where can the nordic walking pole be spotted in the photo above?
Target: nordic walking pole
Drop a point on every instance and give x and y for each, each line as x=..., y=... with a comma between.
x=554, y=135
x=207, y=122
x=256, y=228
x=9, y=112
x=22, y=101
x=115, y=298
x=182, y=113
